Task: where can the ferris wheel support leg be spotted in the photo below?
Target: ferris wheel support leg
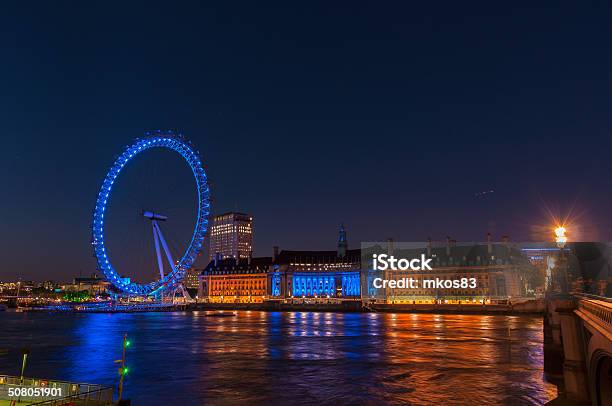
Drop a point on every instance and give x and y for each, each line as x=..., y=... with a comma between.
x=165, y=246
x=170, y=260
x=186, y=294
x=160, y=264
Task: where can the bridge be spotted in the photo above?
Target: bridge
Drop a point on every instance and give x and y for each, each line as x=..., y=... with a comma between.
x=581, y=328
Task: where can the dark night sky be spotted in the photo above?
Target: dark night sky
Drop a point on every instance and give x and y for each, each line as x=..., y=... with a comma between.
x=386, y=116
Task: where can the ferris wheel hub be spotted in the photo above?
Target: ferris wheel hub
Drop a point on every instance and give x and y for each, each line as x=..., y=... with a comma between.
x=154, y=216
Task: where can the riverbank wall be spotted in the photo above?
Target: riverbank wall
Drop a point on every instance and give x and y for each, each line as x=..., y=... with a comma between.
x=528, y=307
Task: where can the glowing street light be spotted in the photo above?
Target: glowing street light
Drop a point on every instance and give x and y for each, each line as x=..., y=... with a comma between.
x=560, y=237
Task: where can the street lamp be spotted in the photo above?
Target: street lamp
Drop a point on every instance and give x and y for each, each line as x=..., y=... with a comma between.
x=25, y=353
x=560, y=237
x=123, y=369
x=562, y=274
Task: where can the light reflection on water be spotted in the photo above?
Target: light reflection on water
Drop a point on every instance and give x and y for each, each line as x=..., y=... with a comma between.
x=296, y=357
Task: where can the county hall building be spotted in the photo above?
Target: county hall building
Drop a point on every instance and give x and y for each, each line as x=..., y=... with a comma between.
x=317, y=275
x=290, y=275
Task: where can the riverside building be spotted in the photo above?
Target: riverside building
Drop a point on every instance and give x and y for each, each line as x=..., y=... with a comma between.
x=231, y=280
x=192, y=278
x=494, y=273
x=317, y=275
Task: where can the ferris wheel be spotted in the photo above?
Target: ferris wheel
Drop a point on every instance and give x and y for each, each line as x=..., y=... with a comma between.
x=168, y=281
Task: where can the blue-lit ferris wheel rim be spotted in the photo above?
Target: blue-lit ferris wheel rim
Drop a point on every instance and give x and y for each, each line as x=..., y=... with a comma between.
x=157, y=140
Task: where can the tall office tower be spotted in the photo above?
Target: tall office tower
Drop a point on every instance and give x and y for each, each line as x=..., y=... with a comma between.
x=231, y=236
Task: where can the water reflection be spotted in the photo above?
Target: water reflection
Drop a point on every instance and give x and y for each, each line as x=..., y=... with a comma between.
x=190, y=359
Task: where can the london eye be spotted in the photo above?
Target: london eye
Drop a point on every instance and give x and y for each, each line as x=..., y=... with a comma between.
x=167, y=281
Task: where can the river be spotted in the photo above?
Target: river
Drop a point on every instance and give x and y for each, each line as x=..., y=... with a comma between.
x=295, y=357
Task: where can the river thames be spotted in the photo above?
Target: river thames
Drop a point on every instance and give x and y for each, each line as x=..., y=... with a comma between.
x=271, y=358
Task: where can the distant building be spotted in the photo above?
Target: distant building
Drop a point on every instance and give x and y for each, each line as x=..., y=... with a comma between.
x=48, y=285
x=544, y=258
x=192, y=278
x=231, y=235
x=317, y=274
x=500, y=272
x=93, y=284
x=9, y=286
x=231, y=280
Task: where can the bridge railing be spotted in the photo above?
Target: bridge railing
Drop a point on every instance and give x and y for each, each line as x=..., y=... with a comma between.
x=96, y=397
x=600, y=308
x=51, y=392
x=593, y=297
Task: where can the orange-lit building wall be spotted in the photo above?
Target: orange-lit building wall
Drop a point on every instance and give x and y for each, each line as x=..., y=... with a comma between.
x=235, y=288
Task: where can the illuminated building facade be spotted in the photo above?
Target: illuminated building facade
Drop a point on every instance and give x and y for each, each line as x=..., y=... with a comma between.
x=317, y=274
x=500, y=272
x=94, y=285
x=192, y=278
x=231, y=280
x=231, y=236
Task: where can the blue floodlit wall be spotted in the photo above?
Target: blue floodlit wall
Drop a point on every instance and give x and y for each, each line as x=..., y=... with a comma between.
x=372, y=292
x=323, y=284
x=351, y=284
x=314, y=284
x=276, y=284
